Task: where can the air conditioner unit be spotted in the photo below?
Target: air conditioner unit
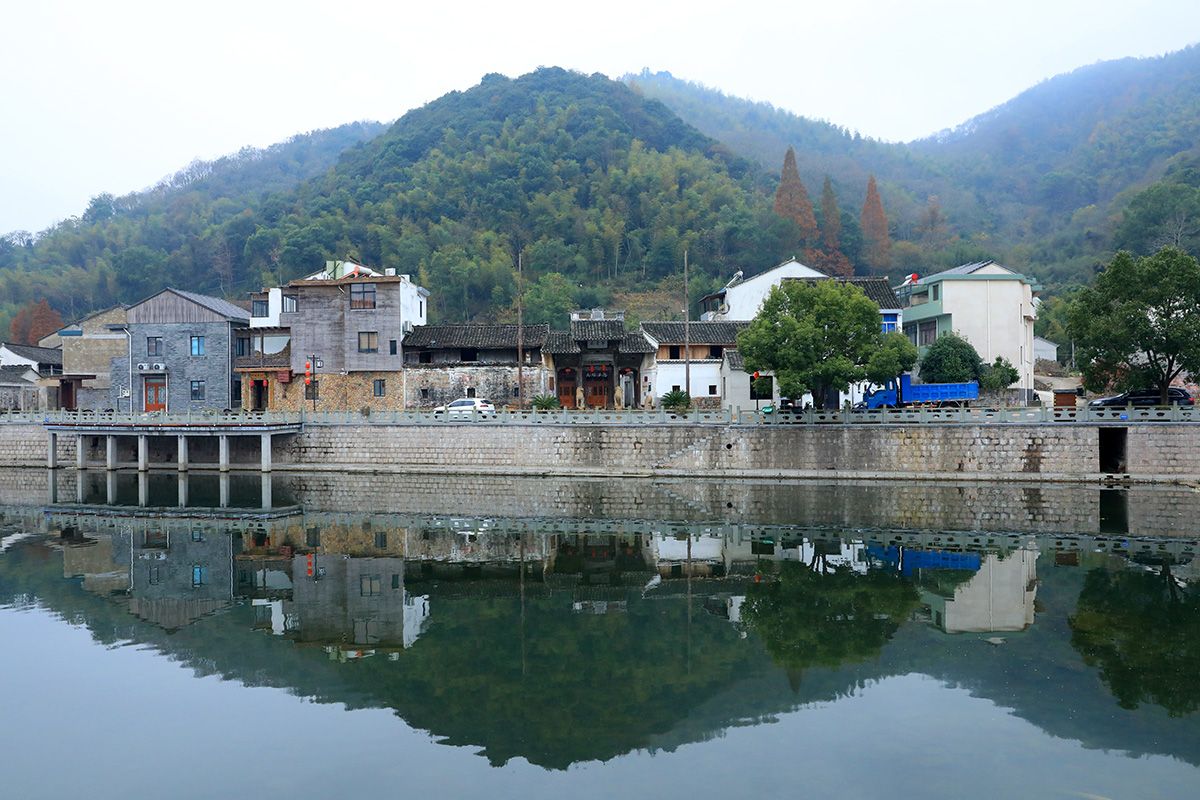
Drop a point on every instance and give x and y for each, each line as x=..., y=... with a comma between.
x=143, y=366
x=408, y=327
x=158, y=366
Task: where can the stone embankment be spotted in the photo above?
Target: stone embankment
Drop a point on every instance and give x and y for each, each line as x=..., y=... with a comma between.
x=1143, y=452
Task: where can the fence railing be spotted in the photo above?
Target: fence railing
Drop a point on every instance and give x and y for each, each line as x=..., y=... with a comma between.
x=891, y=416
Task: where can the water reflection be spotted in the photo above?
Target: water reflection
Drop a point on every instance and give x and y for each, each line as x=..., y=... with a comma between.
x=561, y=641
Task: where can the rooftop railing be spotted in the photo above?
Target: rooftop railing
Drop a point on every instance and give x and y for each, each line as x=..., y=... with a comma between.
x=894, y=416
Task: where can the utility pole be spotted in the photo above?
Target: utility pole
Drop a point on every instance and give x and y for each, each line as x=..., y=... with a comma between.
x=687, y=333
x=520, y=340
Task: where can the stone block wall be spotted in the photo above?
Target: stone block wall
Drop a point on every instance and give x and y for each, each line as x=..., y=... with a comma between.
x=24, y=445
x=433, y=385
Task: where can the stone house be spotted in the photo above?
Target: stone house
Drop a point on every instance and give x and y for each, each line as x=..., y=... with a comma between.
x=89, y=348
x=347, y=323
x=446, y=362
x=29, y=376
x=179, y=354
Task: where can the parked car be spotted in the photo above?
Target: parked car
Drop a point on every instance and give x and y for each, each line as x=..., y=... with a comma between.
x=1144, y=397
x=466, y=407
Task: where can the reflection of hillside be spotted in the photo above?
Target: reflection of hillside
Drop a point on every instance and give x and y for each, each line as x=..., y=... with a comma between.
x=469, y=661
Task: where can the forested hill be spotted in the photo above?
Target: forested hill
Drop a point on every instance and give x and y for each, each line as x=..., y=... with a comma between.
x=597, y=187
x=1040, y=181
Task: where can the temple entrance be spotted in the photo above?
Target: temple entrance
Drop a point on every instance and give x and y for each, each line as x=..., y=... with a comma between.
x=627, y=384
x=566, y=387
x=597, y=385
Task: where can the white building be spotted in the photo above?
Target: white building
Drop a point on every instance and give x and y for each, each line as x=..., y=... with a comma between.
x=999, y=597
x=1044, y=349
x=742, y=298
x=707, y=343
x=989, y=305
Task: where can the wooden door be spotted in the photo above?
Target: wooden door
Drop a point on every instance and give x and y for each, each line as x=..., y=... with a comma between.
x=566, y=393
x=156, y=394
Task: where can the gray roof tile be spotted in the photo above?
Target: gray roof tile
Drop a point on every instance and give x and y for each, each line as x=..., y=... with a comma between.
x=724, y=333
x=216, y=305
x=482, y=337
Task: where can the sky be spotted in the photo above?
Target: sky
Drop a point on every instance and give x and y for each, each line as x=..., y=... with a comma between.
x=114, y=96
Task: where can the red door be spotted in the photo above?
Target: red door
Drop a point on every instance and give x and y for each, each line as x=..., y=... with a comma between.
x=156, y=394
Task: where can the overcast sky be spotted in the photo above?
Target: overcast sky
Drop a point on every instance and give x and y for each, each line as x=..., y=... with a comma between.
x=113, y=96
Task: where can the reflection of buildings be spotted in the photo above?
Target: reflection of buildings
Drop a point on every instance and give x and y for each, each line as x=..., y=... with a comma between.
x=999, y=597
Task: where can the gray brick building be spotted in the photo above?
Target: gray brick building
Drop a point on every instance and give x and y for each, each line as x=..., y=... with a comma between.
x=179, y=354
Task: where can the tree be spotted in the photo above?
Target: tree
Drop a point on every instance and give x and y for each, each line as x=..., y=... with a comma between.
x=791, y=200
x=33, y=322
x=815, y=336
x=874, y=223
x=1142, y=631
x=550, y=300
x=932, y=224
x=813, y=616
x=1166, y=214
x=1138, y=325
x=896, y=354
x=830, y=259
x=998, y=375
x=950, y=359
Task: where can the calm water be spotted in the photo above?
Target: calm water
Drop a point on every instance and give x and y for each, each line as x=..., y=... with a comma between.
x=209, y=638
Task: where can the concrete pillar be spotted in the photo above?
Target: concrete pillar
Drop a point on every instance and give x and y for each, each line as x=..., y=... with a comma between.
x=266, y=452
x=143, y=489
x=181, y=453
x=143, y=452
x=52, y=486
x=266, y=491
x=224, y=480
x=183, y=490
x=110, y=453
x=52, y=452
x=79, y=487
x=110, y=488
x=80, y=454
x=224, y=448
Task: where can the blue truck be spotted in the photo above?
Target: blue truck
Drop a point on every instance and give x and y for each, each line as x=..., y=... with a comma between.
x=907, y=393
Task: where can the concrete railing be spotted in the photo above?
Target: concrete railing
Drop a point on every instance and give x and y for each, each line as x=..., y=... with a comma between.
x=894, y=416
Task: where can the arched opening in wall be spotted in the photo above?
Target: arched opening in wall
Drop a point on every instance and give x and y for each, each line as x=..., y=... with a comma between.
x=1112, y=449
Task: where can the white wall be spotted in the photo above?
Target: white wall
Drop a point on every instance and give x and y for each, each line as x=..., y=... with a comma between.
x=414, y=302
x=997, y=318
x=274, y=306
x=670, y=373
x=746, y=298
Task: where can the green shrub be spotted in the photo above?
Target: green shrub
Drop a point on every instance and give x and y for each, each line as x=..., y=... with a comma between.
x=677, y=401
x=544, y=402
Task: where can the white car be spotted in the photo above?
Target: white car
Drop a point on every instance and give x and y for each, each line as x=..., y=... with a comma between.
x=467, y=407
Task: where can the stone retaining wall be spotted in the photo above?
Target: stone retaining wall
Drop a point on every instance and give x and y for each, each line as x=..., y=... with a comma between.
x=1155, y=452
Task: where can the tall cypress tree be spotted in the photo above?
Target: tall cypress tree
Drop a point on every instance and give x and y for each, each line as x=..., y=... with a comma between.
x=791, y=200
x=878, y=250
x=833, y=261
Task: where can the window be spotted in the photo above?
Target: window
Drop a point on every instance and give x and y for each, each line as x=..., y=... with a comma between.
x=673, y=352
x=241, y=346
x=312, y=391
x=890, y=323
x=368, y=342
x=312, y=537
x=675, y=388
x=379, y=388
x=763, y=388
x=154, y=345
x=197, y=348
x=237, y=392
x=911, y=332
x=155, y=576
x=199, y=575
x=934, y=292
x=421, y=306
x=289, y=304
x=425, y=358
x=424, y=394
x=712, y=388
x=381, y=540
x=927, y=332
x=516, y=391
x=470, y=391
x=391, y=347
x=369, y=585
x=259, y=308
x=395, y=580
x=362, y=295
x=714, y=351
x=197, y=390
x=197, y=534
x=468, y=354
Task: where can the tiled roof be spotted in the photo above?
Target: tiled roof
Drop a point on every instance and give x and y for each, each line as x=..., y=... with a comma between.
x=216, y=305
x=597, y=329
x=559, y=343
x=877, y=290
x=724, y=333
x=735, y=359
x=635, y=343
x=42, y=355
x=483, y=337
